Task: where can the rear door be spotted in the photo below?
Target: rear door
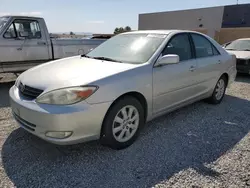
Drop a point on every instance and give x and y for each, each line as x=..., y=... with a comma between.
x=174, y=84
x=208, y=63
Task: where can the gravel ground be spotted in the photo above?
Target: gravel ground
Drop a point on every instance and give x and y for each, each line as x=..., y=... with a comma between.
x=200, y=145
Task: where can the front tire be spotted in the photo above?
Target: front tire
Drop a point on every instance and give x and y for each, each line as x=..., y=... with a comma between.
x=122, y=123
x=219, y=91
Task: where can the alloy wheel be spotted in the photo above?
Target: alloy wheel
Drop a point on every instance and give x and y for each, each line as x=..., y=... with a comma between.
x=126, y=123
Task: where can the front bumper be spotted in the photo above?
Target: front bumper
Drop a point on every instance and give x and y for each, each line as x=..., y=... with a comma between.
x=82, y=119
x=243, y=69
x=243, y=66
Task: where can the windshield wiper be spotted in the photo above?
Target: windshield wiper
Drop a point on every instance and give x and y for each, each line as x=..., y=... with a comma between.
x=106, y=59
x=246, y=50
x=230, y=49
x=83, y=55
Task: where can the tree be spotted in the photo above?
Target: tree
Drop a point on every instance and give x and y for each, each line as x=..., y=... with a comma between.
x=121, y=29
x=127, y=28
x=116, y=30
x=71, y=33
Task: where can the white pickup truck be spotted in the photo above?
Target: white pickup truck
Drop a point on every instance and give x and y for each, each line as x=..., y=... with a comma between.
x=25, y=42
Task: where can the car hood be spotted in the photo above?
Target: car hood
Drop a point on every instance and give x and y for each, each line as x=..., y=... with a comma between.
x=240, y=54
x=71, y=71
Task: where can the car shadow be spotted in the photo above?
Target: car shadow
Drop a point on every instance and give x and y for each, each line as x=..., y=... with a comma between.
x=191, y=137
x=4, y=94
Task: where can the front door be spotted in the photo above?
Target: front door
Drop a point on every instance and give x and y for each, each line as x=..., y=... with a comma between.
x=19, y=52
x=174, y=84
x=10, y=46
x=35, y=47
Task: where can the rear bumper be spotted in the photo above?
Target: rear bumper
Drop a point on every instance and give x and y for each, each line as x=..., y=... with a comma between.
x=82, y=119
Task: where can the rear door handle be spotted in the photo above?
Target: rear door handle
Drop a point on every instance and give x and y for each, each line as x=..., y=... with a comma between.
x=41, y=43
x=192, y=68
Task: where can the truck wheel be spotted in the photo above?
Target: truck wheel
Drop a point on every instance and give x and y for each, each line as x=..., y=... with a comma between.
x=122, y=123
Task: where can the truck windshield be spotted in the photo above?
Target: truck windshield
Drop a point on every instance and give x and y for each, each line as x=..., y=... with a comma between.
x=239, y=45
x=133, y=48
x=3, y=21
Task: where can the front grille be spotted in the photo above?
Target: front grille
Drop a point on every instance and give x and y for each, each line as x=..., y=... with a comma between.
x=242, y=62
x=24, y=123
x=29, y=92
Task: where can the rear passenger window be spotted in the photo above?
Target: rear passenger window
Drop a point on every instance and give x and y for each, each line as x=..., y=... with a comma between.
x=203, y=47
x=179, y=45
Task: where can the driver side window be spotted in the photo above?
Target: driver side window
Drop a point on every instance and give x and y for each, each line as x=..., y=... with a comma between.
x=10, y=33
x=31, y=27
x=179, y=45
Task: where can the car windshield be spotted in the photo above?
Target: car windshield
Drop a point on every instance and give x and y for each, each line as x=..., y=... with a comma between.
x=3, y=21
x=239, y=45
x=135, y=48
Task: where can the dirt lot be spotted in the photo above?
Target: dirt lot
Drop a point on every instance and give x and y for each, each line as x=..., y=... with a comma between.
x=197, y=146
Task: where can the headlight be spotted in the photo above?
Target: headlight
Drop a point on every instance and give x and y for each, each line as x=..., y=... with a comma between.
x=66, y=96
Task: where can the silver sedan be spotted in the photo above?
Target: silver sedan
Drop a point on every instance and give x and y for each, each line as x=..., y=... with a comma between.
x=111, y=92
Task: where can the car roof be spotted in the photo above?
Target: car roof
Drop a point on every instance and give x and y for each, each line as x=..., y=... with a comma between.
x=22, y=16
x=244, y=39
x=166, y=32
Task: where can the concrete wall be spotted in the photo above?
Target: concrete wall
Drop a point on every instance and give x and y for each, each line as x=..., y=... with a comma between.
x=229, y=34
x=210, y=18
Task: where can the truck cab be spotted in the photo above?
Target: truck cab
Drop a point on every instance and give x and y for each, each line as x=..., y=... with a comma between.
x=25, y=42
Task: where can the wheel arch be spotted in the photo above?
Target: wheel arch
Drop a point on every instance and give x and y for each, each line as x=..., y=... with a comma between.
x=226, y=76
x=137, y=95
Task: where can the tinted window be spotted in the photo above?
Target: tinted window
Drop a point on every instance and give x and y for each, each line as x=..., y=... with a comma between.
x=203, y=47
x=215, y=51
x=29, y=26
x=10, y=33
x=179, y=45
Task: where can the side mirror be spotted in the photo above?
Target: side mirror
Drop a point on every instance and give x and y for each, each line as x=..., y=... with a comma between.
x=168, y=59
x=24, y=34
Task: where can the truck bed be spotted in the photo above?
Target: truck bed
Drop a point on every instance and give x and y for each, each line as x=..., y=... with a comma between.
x=70, y=47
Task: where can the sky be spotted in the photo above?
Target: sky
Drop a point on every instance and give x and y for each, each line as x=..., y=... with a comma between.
x=98, y=16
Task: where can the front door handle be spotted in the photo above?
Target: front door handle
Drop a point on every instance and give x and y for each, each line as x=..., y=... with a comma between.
x=192, y=68
x=41, y=43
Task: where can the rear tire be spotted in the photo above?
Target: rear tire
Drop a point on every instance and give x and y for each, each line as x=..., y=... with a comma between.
x=122, y=123
x=219, y=91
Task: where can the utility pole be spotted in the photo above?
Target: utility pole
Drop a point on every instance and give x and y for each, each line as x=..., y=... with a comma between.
x=237, y=2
